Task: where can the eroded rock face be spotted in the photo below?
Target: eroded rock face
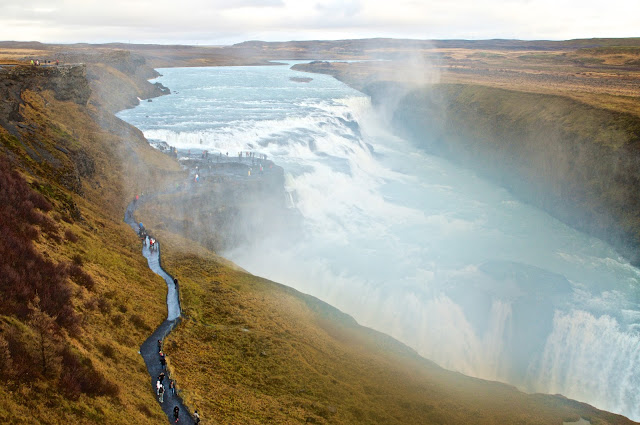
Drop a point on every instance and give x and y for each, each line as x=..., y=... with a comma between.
x=68, y=83
x=579, y=163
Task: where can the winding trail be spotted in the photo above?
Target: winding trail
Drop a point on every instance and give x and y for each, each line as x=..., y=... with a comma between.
x=149, y=348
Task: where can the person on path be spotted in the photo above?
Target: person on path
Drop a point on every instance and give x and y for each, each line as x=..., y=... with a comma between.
x=175, y=281
x=176, y=413
x=172, y=387
x=161, y=394
x=163, y=362
x=196, y=417
x=161, y=378
x=159, y=346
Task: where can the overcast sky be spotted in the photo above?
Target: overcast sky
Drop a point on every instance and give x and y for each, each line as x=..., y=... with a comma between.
x=231, y=21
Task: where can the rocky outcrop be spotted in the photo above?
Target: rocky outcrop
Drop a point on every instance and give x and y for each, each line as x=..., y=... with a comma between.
x=68, y=83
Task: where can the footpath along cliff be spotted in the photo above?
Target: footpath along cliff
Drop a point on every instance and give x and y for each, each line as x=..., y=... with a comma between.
x=78, y=299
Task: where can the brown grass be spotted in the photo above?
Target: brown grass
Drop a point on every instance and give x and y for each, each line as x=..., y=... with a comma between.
x=95, y=374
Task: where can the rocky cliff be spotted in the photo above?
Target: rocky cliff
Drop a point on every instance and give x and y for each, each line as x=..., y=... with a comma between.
x=68, y=82
x=578, y=162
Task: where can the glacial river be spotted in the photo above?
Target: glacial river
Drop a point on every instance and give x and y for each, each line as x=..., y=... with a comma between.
x=412, y=245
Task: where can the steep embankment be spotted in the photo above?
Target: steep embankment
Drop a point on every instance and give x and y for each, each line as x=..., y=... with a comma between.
x=252, y=351
x=579, y=162
x=77, y=299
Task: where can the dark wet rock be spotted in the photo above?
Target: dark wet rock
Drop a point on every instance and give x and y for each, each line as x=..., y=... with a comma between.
x=84, y=163
x=61, y=149
x=301, y=79
x=68, y=83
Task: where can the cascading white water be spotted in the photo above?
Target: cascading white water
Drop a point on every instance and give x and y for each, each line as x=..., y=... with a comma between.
x=412, y=245
x=586, y=356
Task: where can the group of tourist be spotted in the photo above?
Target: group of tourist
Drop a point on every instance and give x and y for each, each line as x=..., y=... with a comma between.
x=161, y=390
x=44, y=62
x=144, y=236
x=252, y=155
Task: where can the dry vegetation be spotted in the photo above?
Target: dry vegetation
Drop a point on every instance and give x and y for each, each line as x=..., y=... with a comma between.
x=602, y=77
x=77, y=298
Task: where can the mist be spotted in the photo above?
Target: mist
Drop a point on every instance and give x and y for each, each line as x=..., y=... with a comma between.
x=406, y=242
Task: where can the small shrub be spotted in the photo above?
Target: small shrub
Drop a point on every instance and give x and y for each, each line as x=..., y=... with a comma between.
x=25, y=272
x=80, y=377
x=91, y=303
x=145, y=410
x=139, y=322
x=117, y=319
x=107, y=350
x=79, y=276
x=104, y=305
x=70, y=236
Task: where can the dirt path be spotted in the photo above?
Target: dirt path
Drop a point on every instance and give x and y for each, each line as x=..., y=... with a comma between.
x=149, y=349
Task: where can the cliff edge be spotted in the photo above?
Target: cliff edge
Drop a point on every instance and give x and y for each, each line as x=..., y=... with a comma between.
x=578, y=161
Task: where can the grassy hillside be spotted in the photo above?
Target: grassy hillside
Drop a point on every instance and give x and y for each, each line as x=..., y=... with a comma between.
x=77, y=298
